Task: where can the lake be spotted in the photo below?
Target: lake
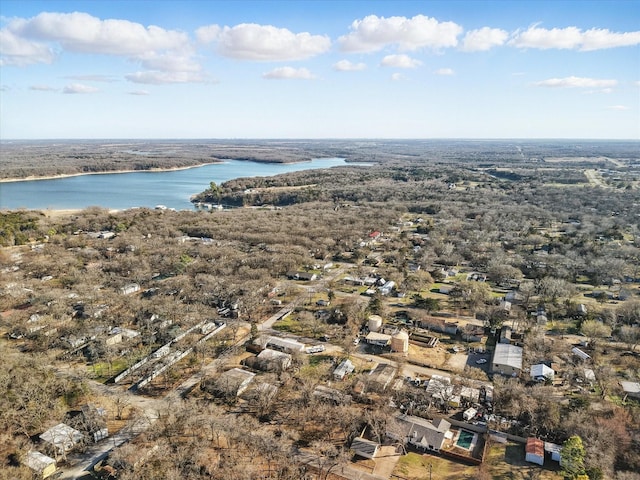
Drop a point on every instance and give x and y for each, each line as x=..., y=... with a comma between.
x=140, y=189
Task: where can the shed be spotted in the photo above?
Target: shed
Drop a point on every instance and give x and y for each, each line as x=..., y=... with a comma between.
x=631, y=389
x=553, y=449
x=42, y=465
x=469, y=414
x=534, y=451
x=580, y=354
x=505, y=334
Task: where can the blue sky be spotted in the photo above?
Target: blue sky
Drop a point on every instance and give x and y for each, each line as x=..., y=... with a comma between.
x=319, y=69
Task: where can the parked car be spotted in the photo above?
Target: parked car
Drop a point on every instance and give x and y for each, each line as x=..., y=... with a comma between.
x=481, y=361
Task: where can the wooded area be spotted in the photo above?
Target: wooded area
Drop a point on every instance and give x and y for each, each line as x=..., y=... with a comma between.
x=459, y=229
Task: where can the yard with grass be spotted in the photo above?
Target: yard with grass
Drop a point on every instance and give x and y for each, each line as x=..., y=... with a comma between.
x=503, y=462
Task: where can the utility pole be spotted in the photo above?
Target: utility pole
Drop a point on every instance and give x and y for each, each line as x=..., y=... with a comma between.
x=430, y=466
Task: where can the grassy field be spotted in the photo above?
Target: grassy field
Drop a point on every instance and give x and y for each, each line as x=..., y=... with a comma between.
x=503, y=462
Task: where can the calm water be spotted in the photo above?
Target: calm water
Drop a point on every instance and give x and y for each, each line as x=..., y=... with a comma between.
x=141, y=189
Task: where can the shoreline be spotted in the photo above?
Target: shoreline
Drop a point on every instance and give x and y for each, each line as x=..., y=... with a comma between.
x=32, y=178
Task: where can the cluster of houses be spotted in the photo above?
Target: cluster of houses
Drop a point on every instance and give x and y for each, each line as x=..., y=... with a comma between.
x=90, y=426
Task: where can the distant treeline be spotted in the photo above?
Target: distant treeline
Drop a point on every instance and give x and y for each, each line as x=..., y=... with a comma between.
x=21, y=159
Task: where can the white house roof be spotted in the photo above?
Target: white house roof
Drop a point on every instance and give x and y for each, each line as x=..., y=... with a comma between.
x=286, y=344
x=345, y=368
x=268, y=355
x=37, y=461
x=509, y=355
x=541, y=370
x=579, y=353
x=378, y=337
x=631, y=388
x=62, y=436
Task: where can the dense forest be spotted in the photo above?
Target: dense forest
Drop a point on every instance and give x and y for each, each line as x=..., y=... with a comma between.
x=555, y=224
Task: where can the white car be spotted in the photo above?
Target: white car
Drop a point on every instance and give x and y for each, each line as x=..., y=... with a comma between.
x=481, y=361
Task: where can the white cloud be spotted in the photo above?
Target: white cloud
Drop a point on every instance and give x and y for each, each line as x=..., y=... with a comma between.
x=166, y=55
x=576, y=82
x=573, y=38
x=79, y=88
x=208, y=34
x=139, y=92
x=18, y=51
x=93, y=78
x=618, y=107
x=347, y=66
x=42, y=88
x=250, y=41
x=444, y=71
x=81, y=32
x=289, y=73
x=156, y=77
x=169, y=61
x=396, y=77
x=373, y=33
x=400, y=61
x=484, y=39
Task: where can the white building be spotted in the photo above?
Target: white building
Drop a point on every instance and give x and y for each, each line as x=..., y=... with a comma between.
x=507, y=359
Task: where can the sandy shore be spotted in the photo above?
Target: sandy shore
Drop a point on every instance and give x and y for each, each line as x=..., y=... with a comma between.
x=115, y=172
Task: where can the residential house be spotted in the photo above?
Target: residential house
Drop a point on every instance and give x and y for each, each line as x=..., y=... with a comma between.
x=270, y=361
x=364, y=448
x=424, y=434
x=534, y=451
x=382, y=375
x=345, y=368
x=305, y=276
x=378, y=339
x=332, y=395
x=387, y=287
x=285, y=344
x=61, y=438
x=542, y=372
x=235, y=381
x=42, y=465
x=507, y=359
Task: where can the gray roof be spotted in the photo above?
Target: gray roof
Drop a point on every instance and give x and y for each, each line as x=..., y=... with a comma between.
x=510, y=355
x=423, y=432
x=364, y=448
